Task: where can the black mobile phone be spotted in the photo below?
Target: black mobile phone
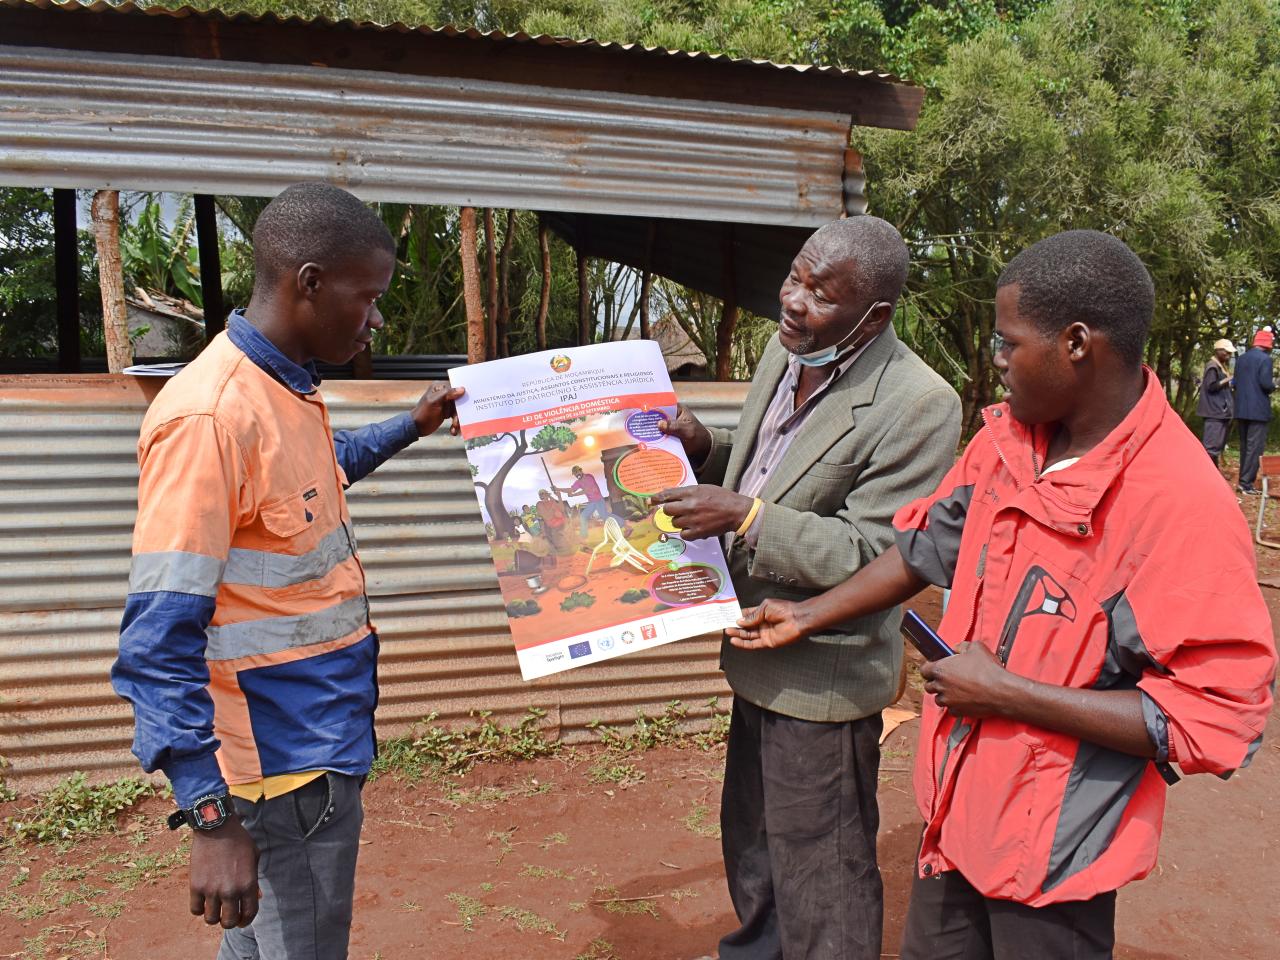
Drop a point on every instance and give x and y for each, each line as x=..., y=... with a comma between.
x=922, y=636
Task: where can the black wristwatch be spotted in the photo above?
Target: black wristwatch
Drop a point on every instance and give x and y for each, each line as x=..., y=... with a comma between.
x=207, y=813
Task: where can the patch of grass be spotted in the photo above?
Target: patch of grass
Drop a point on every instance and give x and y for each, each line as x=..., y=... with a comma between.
x=108, y=911
x=146, y=869
x=699, y=821
x=718, y=732
x=598, y=949
x=505, y=846
x=440, y=751
x=623, y=774
x=554, y=839
x=645, y=732
x=75, y=808
x=527, y=920
x=64, y=941
x=608, y=898
x=468, y=796
x=535, y=872
x=469, y=909
x=684, y=893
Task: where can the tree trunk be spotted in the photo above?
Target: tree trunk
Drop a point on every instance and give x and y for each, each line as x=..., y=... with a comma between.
x=491, y=275
x=105, y=211
x=729, y=312
x=471, y=286
x=584, y=301
x=544, y=298
x=504, y=288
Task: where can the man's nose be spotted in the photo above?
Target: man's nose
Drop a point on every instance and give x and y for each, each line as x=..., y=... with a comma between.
x=376, y=320
x=792, y=300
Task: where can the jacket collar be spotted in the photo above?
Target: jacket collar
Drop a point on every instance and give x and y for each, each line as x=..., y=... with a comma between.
x=267, y=355
x=1066, y=499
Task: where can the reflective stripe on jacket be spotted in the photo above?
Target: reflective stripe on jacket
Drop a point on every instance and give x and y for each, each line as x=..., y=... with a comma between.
x=247, y=626
x=1094, y=577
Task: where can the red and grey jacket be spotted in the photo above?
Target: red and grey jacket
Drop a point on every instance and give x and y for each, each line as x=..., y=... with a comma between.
x=1095, y=576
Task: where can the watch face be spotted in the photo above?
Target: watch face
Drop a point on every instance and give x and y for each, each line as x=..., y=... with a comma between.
x=209, y=810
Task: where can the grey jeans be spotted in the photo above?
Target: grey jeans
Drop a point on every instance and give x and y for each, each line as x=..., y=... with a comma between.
x=799, y=819
x=307, y=844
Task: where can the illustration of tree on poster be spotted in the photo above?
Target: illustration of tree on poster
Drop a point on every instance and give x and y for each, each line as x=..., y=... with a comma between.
x=566, y=454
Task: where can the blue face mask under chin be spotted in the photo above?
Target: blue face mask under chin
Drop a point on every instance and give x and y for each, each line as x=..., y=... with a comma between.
x=820, y=358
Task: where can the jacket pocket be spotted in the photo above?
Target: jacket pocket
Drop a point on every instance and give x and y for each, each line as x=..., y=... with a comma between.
x=288, y=516
x=826, y=470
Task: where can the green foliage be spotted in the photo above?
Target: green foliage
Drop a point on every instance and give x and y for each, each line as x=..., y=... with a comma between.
x=439, y=751
x=156, y=257
x=645, y=732
x=577, y=599
x=633, y=595
x=75, y=809
x=28, y=295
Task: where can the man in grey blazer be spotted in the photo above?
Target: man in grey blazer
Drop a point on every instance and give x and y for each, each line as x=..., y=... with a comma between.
x=843, y=425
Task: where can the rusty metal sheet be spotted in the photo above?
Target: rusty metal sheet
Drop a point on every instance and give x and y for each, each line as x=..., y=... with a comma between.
x=68, y=479
x=73, y=118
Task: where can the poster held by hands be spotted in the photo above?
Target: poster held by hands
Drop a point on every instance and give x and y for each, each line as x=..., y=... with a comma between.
x=566, y=452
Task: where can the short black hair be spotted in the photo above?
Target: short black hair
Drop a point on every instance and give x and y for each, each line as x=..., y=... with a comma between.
x=874, y=247
x=1088, y=277
x=314, y=223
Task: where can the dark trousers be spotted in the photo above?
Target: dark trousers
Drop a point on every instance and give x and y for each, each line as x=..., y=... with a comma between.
x=307, y=845
x=1253, y=438
x=949, y=920
x=799, y=819
x=1215, y=436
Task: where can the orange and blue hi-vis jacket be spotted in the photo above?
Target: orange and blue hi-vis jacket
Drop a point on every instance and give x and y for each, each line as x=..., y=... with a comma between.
x=1131, y=569
x=246, y=647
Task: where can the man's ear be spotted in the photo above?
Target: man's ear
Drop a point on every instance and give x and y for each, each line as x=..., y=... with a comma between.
x=308, y=280
x=1079, y=341
x=880, y=317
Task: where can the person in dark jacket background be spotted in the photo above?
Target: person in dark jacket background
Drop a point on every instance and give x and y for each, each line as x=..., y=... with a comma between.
x=1253, y=385
x=1216, y=404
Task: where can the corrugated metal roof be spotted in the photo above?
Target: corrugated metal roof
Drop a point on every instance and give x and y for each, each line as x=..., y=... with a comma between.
x=68, y=480
x=450, y=31
x=76, y=118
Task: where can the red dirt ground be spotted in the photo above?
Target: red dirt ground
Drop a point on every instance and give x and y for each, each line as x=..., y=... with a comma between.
x=535, y=860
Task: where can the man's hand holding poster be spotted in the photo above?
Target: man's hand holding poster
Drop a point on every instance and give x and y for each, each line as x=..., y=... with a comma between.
x=565, y=452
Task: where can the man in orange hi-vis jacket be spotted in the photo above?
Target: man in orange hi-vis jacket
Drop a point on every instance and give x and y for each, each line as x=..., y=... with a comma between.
x=247, y=648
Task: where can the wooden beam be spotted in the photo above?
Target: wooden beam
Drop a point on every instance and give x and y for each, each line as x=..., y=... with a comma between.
x=115, y=318
x=471, y=287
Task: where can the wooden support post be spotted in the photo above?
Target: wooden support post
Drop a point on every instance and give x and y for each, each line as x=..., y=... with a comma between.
x=66, y=272
x=491, y=278
x=544, y=298
x=584, y=302
x=729, y=314
x=471, y=287
x=215, y=316
x=115, y=318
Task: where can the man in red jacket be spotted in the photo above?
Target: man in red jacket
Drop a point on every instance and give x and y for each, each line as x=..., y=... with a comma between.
x=1095, y=643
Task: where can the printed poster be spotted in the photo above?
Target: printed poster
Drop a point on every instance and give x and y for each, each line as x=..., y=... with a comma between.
x=565, y=454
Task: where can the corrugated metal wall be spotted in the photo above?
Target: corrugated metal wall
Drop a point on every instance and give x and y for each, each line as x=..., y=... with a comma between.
x=68, y=480
x=74, y=118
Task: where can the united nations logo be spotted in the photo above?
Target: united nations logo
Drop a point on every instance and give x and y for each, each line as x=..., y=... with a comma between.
x=605, y=643
x=560, y=363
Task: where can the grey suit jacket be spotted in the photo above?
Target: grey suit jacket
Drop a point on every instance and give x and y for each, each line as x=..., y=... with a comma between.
x=881, y=436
